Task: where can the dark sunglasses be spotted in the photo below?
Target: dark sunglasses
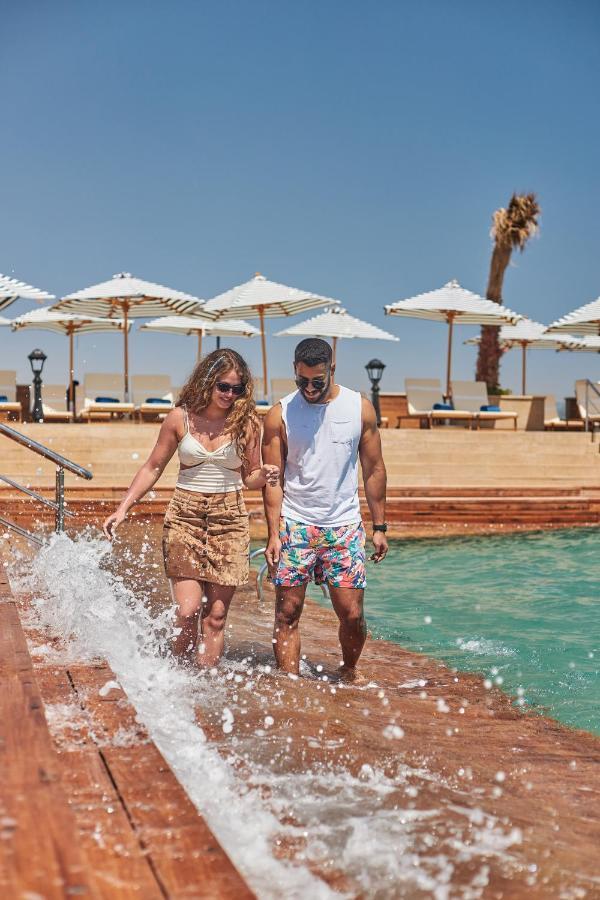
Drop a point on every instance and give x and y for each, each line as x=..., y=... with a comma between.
x=317, y=383
x=236, y=389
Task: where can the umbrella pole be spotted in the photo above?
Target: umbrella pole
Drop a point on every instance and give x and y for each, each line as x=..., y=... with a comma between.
x=71, y=405
x=199, y=346
x=334, y=341
x=126, y=354
x=261, y=316
x=449, y=358
x=524, y=368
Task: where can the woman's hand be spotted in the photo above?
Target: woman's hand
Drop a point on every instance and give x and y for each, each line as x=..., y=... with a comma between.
x=110, y=525
x=270, y=474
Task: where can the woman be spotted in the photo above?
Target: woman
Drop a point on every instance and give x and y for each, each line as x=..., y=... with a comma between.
x=215, y=430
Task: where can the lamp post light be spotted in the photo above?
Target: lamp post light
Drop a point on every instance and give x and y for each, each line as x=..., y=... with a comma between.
x=375, y=371
x=37, y=358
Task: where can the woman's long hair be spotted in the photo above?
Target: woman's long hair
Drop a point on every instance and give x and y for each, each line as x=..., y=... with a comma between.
x=196, y=394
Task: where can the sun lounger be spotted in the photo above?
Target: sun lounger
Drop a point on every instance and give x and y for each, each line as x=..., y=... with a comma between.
x=426, y=402
x=588, y=402
x=104, y=397
x=553, y=422
x=152, y=396
x=54, y=403
x=472, y=395
x=8, y=395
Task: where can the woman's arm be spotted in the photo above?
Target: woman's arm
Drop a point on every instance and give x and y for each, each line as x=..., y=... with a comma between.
x=147, y=476
x=254, y=475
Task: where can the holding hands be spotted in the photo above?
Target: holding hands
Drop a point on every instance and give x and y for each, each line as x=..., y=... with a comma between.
x=270, y=474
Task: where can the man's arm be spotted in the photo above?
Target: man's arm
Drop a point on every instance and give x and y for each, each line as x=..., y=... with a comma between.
x=273, y=451
x=374, y=475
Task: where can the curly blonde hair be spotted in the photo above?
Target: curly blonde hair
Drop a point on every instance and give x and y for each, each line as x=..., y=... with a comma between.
x=196, y=394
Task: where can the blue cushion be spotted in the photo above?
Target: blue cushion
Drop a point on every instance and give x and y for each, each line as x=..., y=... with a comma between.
x=156, y=400
x=262, y=403
x=490, y=408
x=443, y=406
x=3, y=398
x=106, y=400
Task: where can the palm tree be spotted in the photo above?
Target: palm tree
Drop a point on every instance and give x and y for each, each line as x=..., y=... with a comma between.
x=511, y=229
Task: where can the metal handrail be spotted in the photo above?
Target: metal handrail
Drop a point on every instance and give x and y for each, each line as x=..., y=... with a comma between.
x=589, y=384
x=61, y=463
x=30, y=493
x=22, y=531
x=36, y=447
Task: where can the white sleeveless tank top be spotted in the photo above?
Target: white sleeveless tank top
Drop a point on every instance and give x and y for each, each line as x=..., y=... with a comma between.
x=212, y=471
x=321, y=470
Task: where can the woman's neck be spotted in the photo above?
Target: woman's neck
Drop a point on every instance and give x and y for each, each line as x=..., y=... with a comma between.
x=214, y=413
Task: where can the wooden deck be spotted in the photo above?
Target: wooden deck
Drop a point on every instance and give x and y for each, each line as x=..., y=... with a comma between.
x=83, y=816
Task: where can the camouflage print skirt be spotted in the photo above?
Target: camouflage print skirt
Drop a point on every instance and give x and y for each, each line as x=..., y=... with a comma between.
x=206, y=537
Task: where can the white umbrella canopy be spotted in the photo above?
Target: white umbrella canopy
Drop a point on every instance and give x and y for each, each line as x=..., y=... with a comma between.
x=48, y=319
x=585, y=320
x=263, y=298
x=587, y=344
x=337, y=323
x=453, y=304
x=528, y=334
x=11, y=290
x=203, y=328
x=4, y=322
x=124, y=296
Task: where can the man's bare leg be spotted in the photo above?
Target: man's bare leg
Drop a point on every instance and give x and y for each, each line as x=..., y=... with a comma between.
x=187, y=593
x=213, y=619
x=286, y=633
x=348, y=606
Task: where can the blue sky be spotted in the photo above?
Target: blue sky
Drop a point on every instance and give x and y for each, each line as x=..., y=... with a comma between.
x=350, y=148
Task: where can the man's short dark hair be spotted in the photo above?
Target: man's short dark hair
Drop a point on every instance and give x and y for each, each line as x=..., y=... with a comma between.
x=313, y=352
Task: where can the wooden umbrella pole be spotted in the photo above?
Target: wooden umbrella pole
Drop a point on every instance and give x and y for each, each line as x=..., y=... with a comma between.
x=334, y=348
x=126, y=353
x=71, y=404
x=261, y=316
x=449, y=360
x=199, y=345
x=524, y=368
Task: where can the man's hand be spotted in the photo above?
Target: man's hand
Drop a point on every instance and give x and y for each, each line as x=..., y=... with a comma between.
x=381, y=546
x=272, y=554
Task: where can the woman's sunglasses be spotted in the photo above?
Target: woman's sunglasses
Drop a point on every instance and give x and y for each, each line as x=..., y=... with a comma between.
x=317, y=383
x=236, y=389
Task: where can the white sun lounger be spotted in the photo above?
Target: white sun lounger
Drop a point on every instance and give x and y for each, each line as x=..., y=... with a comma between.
x=99, y=385
x=422, y=394
x=472, y=395
x=54, y=403
x=553, y=422
x=8, y=389
x=147, y=391
x=588, y=402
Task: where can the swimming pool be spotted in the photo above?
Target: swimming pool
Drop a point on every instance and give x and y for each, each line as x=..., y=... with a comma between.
x=521, y=609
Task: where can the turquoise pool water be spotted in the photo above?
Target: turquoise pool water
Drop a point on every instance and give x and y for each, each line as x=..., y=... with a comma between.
x=523, y=610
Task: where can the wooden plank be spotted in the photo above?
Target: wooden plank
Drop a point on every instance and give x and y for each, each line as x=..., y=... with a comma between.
x=39, y=850
x=188, y=859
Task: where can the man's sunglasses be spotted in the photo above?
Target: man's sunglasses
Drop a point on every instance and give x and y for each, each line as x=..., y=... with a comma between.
x=317, y=383
x=236, y=389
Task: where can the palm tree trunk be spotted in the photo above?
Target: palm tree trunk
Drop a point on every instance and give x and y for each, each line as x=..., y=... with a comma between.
x=488, y=358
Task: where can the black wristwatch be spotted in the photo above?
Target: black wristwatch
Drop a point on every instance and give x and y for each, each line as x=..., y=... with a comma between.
x=382, y=527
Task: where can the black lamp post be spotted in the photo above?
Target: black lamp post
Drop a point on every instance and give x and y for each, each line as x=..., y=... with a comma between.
x=37, y=358
x=375, y=371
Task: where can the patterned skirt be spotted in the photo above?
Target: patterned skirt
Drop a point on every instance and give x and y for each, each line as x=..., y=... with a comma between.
x=206, y=537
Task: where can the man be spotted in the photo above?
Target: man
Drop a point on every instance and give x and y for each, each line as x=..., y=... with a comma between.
x=316, y=436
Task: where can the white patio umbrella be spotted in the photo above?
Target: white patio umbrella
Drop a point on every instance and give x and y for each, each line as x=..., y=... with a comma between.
x=4, y=321
x=11, y=290
x=453, y=304
x=527, y=335
x=337, y=323
x=585, y=320
x=48, y=319
x=126, y=297
x=263, y=298
x=202, y=328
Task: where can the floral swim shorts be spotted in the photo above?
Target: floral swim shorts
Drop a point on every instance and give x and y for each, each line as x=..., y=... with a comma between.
x=335, y=555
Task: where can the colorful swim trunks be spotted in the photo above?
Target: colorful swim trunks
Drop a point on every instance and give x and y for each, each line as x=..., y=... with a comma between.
x=334, y=555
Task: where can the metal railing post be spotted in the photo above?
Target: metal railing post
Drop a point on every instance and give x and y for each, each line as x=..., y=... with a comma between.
x=60, y=500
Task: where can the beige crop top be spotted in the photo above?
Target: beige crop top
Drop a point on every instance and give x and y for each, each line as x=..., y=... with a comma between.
x=211, y=471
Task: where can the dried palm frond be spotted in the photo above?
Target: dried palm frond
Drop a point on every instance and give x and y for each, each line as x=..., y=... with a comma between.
x=512, y=227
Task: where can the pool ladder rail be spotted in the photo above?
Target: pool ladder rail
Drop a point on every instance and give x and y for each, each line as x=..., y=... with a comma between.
x=58, y=504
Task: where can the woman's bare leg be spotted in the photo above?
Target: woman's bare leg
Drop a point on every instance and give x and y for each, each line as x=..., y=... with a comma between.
x=187, y=593
x=214, y=617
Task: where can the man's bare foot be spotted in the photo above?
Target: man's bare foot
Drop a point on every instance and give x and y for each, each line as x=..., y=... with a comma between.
x=350, y=675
